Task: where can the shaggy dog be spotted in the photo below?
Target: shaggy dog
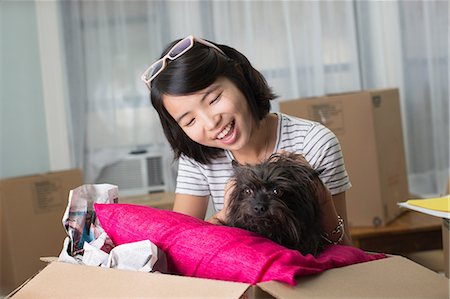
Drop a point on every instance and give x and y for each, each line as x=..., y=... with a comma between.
x=279, y=199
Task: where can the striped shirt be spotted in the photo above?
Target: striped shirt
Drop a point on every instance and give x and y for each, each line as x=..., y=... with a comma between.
x=315, y=142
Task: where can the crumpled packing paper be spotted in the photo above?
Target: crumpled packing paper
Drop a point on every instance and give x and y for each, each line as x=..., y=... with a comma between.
x=88, y=244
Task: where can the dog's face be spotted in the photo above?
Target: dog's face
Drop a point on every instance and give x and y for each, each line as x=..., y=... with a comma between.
x=278, y=199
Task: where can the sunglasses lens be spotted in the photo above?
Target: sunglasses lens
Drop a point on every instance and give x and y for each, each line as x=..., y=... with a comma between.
x=180, y=48
x=155, y=69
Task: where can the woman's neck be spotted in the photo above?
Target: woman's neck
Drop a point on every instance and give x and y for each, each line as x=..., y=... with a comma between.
x=261, y=143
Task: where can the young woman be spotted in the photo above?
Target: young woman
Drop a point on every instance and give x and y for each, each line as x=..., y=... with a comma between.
x=214, y=108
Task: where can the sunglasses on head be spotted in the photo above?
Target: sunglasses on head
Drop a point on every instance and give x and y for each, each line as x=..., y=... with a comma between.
x=176, y=51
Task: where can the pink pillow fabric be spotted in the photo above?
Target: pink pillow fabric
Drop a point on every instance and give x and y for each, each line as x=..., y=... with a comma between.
x=199, y=249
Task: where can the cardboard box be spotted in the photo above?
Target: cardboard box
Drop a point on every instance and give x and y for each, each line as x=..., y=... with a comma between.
x=448, y=186
x=369, y=128
x=31, y=222
x=394, y=277
x=160, y=200
x=446, y=244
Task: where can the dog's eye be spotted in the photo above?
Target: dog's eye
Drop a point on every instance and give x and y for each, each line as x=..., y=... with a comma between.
x=248, y=191
x=276, y=191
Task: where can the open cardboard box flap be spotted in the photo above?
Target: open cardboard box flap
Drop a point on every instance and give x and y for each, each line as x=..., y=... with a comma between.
x=393, y=277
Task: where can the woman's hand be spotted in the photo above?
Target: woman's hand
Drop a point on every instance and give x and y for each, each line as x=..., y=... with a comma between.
x=221, y=216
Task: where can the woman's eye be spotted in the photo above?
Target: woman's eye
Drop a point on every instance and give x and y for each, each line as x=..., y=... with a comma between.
x=190, y=123
x=216, y=99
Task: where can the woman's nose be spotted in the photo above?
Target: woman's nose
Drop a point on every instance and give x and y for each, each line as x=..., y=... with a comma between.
x=210, y=120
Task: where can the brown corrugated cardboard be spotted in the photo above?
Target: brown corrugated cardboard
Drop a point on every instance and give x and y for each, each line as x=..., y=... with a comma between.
x=31, y=213
x=61, y=280
x=368, y=126
x=446, y=244
x=394, y=277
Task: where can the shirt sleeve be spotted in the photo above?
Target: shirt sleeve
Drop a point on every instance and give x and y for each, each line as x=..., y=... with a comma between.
x=190, y=179
x=323, y=151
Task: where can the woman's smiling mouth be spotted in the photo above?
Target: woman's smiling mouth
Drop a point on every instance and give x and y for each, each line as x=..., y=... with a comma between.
x=226, y=130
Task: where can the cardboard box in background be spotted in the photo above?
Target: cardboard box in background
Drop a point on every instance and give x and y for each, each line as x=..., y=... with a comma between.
x=31, y=211
x=369, y=127
x=393, y=277
x=446, y=244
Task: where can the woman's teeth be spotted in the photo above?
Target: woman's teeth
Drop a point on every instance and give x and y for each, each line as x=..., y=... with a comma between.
x=225, y=131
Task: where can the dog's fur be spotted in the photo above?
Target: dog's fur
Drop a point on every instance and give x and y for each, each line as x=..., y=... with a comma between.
x=279, y=199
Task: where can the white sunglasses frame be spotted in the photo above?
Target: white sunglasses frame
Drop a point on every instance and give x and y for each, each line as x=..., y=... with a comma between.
x=148, y=79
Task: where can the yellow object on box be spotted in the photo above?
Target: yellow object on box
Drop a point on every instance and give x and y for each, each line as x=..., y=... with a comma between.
x=437, y=204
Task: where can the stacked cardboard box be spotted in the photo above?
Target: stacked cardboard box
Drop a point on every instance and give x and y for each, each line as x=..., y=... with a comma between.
x=369, y=127
x=30, y=222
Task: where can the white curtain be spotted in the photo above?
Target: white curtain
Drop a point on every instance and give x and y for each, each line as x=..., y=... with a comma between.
x=405, y=44
x=304, y=48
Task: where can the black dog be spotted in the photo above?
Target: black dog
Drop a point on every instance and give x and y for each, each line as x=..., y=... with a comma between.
x=278, y=199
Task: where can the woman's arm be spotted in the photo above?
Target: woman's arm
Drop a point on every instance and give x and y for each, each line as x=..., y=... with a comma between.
x=331, y=207
x=195, y=206
x=341, y=209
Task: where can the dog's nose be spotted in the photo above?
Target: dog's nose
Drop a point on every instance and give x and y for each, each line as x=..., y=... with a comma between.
x=259, y=208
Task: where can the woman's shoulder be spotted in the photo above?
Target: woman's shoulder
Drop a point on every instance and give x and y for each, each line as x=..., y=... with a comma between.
x=297, y=133
x=289, y=120
x=289, y=124
x=294, y=122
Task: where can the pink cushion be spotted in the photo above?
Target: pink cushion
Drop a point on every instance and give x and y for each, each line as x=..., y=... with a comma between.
x=197, y=248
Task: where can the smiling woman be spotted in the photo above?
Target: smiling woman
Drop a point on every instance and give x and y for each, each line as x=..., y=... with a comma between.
x=201, y=92
x=214, y=109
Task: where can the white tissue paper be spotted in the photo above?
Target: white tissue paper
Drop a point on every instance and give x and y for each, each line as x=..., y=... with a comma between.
x=88, y=244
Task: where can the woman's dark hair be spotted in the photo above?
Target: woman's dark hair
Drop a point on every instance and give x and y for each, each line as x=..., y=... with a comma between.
x=195, y=70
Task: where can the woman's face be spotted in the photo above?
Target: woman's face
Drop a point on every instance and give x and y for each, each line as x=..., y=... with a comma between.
x=217, y=116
